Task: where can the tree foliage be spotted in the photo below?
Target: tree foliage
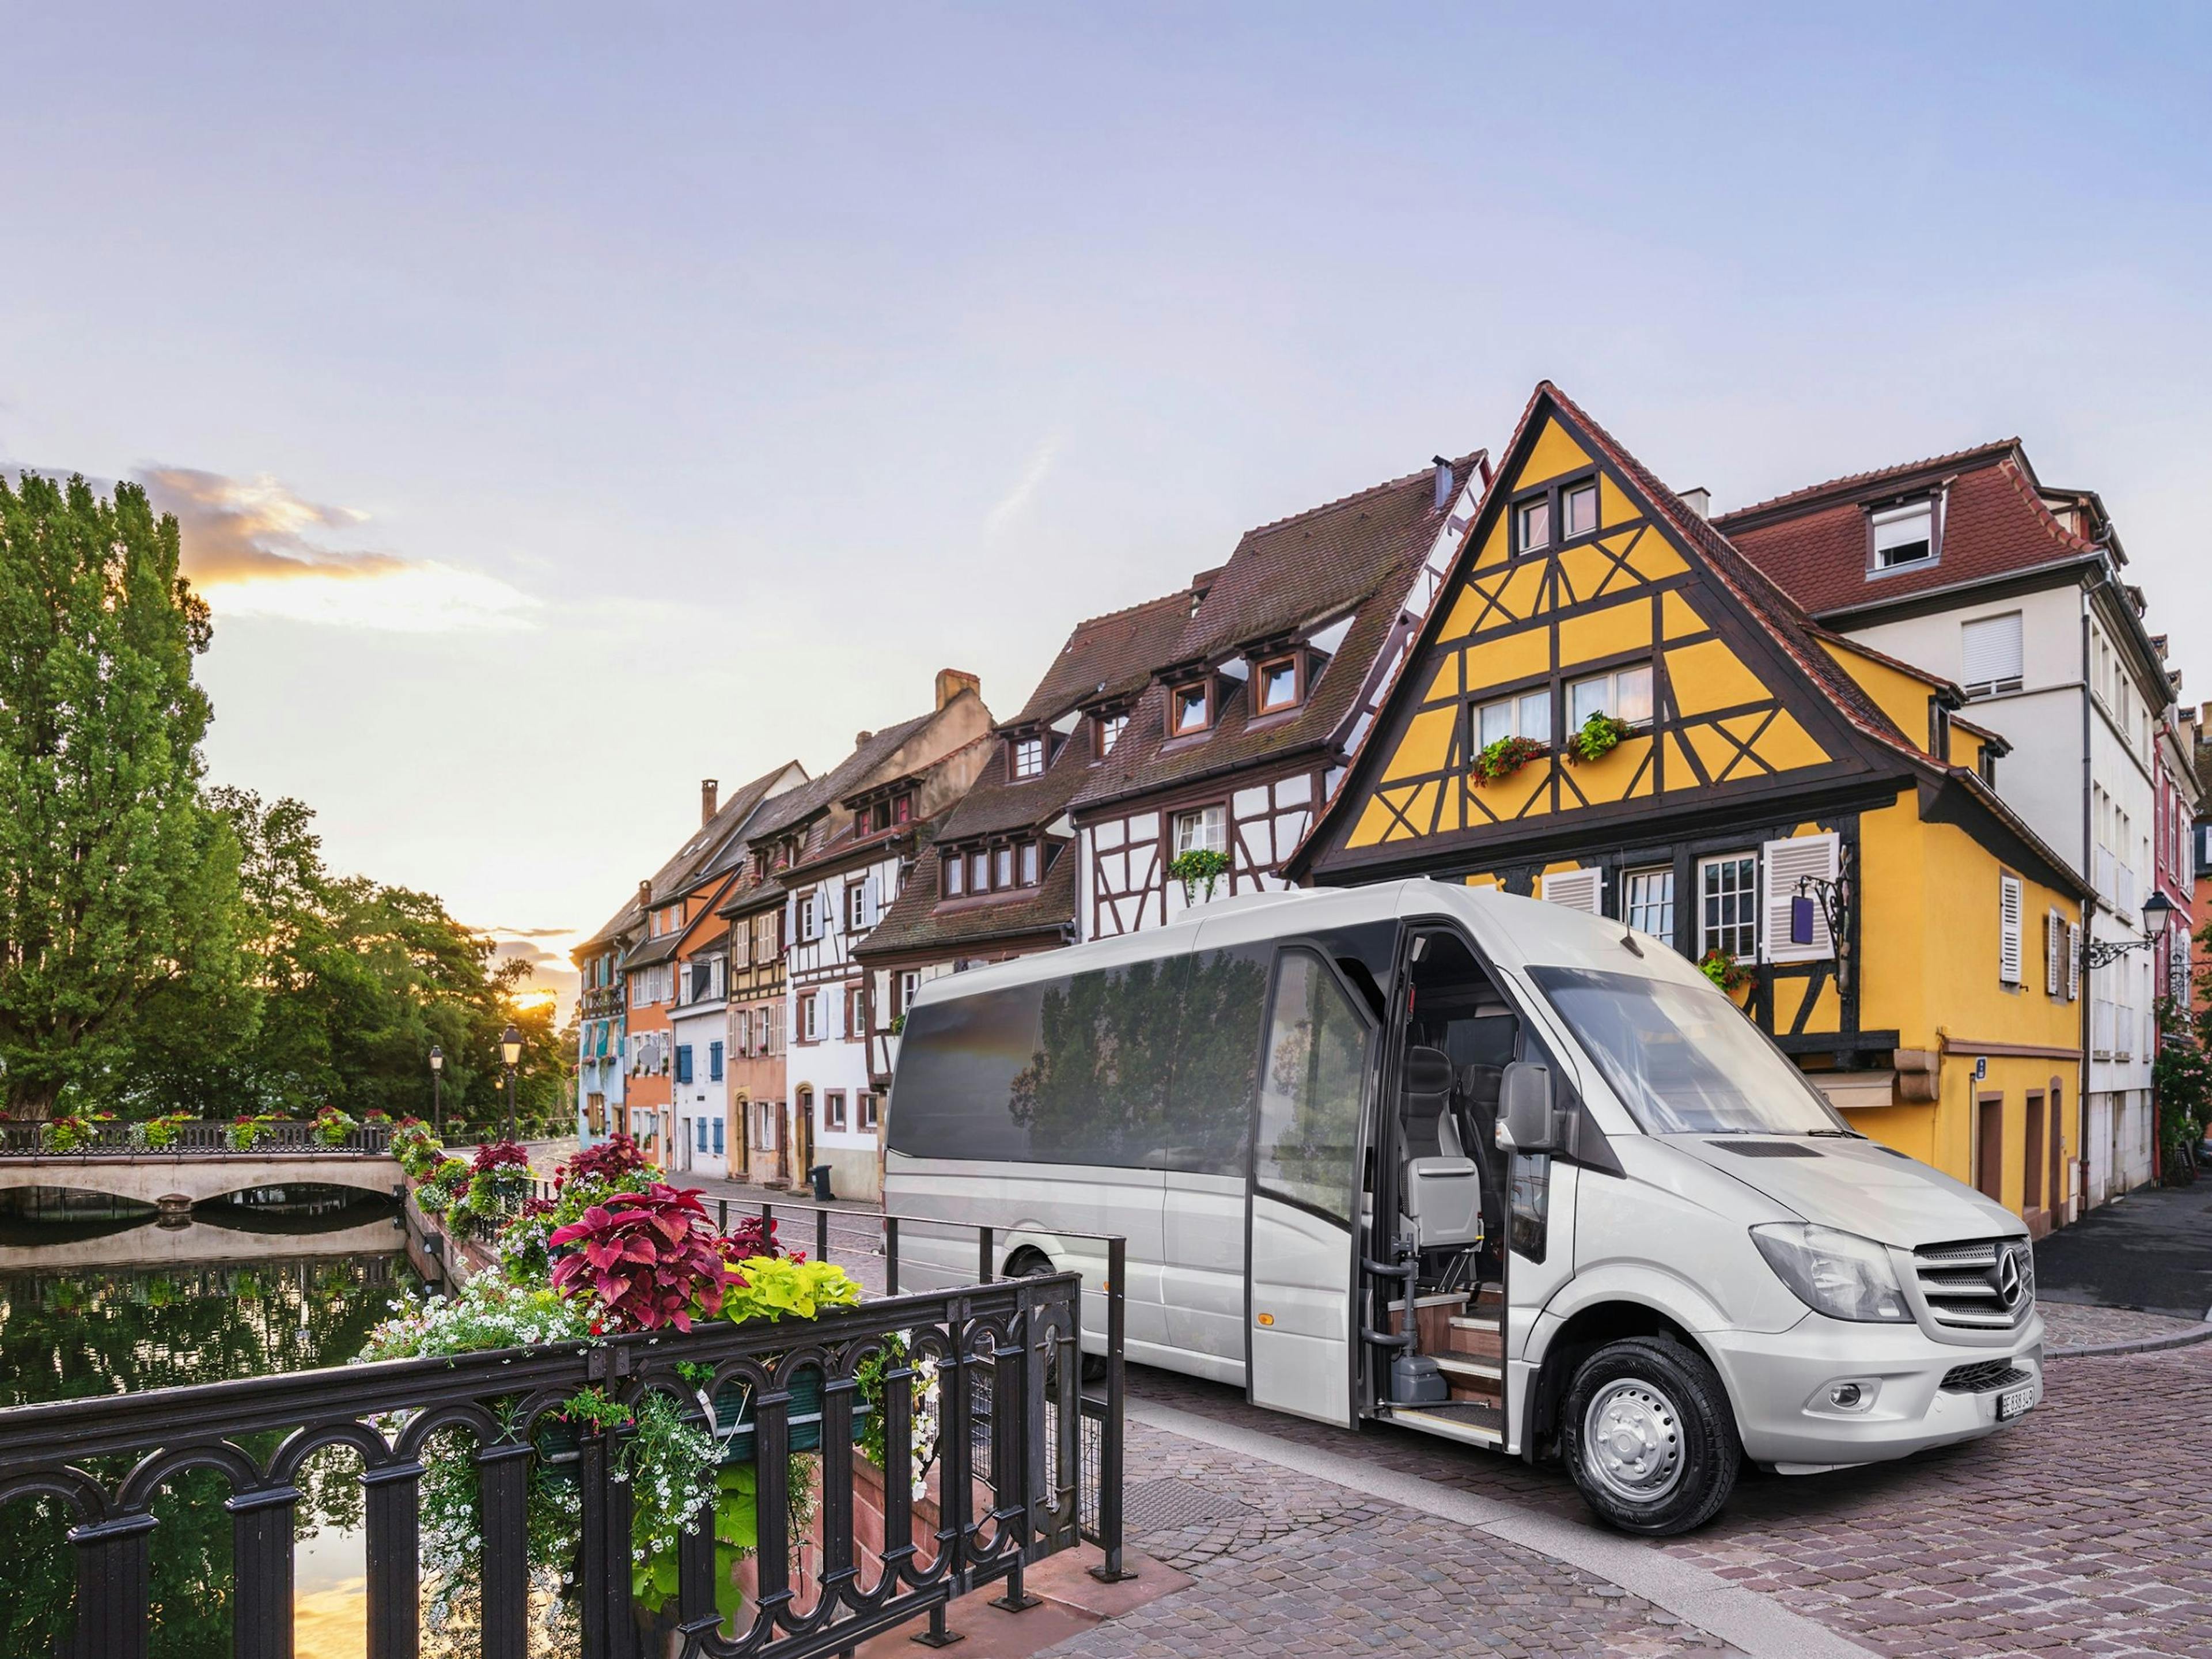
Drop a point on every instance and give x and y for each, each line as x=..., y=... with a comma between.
x=165, y=946
x=119, y=886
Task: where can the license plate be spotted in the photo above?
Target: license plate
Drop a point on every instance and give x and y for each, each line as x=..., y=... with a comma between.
x=2014, y=1402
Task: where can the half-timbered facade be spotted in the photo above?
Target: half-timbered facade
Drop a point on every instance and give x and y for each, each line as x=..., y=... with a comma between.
x=1608, y=707
x=852, y=853
x=759, y=1120
x=601, y=1029
x=996, y=875
x=676, y=926
x=1241, y=731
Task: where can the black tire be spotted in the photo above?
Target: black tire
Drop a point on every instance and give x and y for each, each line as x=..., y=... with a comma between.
x=1671, y=1456
x=1030, y=1263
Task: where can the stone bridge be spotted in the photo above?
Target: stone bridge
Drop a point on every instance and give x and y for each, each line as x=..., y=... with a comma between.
x=194, y=1177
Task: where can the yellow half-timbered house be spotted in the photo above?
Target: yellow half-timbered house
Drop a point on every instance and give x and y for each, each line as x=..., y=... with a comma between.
x=1608, y=707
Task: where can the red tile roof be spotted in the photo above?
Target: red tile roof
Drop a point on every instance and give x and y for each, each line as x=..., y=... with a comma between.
x=1814, y=542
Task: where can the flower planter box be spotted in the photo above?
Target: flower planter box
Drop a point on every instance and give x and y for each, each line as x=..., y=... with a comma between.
x=734, y=1417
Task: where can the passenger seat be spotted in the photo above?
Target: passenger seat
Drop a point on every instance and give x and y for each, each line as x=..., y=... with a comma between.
x=1442, y=1186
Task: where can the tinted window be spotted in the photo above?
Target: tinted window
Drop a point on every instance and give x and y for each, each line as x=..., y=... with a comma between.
x=1217, y=1062
x=1310, y=1091
x=1085, y=1069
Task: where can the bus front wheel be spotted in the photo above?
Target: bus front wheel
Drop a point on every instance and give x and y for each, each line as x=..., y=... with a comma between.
x=1649, y=1437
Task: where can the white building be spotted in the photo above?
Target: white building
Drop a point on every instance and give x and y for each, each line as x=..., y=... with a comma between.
x=698, y=1029
x=1968, y=566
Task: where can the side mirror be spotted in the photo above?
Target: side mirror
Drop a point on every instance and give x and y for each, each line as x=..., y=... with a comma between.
x=1524, y=1109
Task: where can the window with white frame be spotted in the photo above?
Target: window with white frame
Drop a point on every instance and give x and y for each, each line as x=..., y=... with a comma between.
x=1029, y=757
x=856, y=905
x=904, y=984
x=1526, y=715
x=1727, y=905
x=807, y=911
x=1110, y=732
x=1205, y=829
x=1578, y=510
x=871, y=1111
x=833, y=1109
x=1624, y=694
x=1904, y=535
x=1990, y=651
x=1647, y=901
x=810, y=1017
x=1532, y=522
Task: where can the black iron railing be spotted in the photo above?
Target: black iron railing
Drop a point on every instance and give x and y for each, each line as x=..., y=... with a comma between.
x=1008, y=1485
x=200, y=1138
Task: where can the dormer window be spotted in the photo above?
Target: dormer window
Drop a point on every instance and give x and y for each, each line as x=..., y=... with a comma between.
x=1190, y=708
x=955, y=869
x=1029, y=757
x=1532, y=523
x=1279, y=684
x=1578, y=510
x=903, y=810
x=1903, y=536
x=1110, y=732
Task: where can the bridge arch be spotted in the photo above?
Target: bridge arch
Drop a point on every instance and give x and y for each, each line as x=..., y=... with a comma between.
x=196, y=1178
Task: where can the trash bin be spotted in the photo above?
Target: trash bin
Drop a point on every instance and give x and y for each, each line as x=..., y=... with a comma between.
x=819, y=1175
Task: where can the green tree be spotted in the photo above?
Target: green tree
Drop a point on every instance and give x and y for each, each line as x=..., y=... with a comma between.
x=118, y=887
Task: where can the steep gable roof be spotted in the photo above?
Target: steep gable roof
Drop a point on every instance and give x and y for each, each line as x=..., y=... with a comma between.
x=1109, y=657
x=1357, y=557
x=706, y=852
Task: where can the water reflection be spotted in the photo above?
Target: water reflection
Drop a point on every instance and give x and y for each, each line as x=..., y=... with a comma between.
x=274, y=1282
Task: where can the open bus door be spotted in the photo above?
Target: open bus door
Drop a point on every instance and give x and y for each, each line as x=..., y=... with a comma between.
x=1303, y=1205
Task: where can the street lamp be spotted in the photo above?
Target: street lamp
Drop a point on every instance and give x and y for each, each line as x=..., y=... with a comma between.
x=437, y=1087
x=510, y=1054
x=2157, y=911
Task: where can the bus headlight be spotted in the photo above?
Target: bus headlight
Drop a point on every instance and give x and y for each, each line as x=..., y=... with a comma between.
x=1839, y=1274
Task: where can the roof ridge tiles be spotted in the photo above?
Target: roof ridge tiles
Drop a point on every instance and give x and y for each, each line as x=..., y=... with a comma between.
x=1387, y=485
x=1859, y=480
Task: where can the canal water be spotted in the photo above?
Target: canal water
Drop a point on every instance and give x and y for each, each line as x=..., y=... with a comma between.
x=98, y=1297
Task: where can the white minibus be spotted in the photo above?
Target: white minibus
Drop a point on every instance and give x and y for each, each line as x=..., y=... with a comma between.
x=1487, y=1168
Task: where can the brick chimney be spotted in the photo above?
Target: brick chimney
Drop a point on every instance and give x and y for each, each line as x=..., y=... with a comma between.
x=709, y=791
x=951, y=681
x=645, y=895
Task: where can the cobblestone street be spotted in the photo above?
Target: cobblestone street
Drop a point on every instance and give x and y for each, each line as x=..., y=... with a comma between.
x=2086, y=1529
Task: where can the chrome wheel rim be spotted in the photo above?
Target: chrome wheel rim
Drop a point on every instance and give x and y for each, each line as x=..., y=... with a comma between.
x=1632, y=1441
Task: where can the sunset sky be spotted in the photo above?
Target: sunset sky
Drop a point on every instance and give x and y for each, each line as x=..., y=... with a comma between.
x=566, y=403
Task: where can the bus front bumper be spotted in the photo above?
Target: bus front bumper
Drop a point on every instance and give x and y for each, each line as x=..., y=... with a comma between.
x=1826, y=1394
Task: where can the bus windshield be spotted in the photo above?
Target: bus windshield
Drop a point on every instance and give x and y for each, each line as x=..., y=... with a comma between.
x=1683, y=1059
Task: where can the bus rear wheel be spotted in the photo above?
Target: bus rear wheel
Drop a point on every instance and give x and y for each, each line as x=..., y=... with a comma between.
x=1649, y=1437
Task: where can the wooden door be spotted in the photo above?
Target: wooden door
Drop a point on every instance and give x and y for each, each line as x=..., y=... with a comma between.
x=1989, y=1154
x=2031, y=1163
x=2055, y=1149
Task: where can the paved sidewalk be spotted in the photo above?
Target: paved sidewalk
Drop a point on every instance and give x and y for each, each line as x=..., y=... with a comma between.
x=1293, y=1563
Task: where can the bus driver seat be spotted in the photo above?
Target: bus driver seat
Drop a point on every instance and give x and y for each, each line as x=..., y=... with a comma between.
x=1441, y=1187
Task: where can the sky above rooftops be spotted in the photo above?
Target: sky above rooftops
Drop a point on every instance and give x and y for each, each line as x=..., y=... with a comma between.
x=563, y=405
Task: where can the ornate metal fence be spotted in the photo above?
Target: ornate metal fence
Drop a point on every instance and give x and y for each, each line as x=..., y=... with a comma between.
x=200, y=1137
x=1006, y=1358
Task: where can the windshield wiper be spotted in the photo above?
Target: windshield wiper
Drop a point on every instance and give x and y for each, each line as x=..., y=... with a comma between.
x=1838, y=1134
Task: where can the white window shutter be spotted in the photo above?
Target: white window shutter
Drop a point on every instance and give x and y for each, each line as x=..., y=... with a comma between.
x=2054, y=937
x=2009, y=919
x=1577, y=890
x=1782, y=864
x=2073, y=962
x=1990, y=646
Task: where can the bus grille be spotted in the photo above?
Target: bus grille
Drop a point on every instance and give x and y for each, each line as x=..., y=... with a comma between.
x=1984, y=1285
